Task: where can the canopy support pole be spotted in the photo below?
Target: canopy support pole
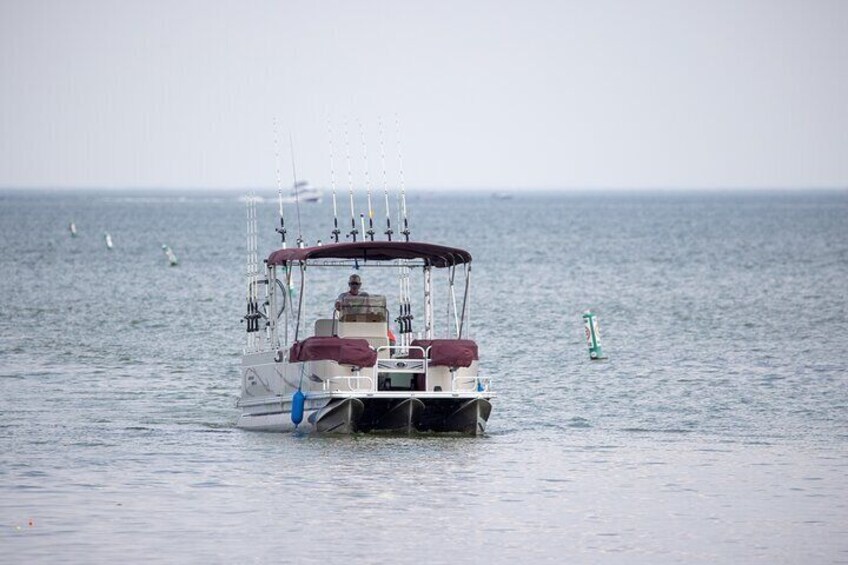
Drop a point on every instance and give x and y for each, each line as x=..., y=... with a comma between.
x=271, y=276
x=452, y=278
x=428, y=303
x=300, y=300
x=465, y=307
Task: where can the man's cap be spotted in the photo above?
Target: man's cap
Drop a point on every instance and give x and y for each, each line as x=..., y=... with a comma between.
x=354, y=279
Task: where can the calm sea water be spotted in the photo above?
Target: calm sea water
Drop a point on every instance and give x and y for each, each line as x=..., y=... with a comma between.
x=717, y=431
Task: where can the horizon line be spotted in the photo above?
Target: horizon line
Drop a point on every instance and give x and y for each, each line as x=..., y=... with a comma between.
x=416, y=189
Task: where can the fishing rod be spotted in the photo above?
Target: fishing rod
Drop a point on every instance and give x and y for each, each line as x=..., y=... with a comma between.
x=336, y=231
x=255, y=251
x=388, y=231
x=282, y=229
x=255, y=228
x=252, y=317
x=405, y=316
x=249, y=316
x=296, y=198
x=401, y=327
x=353, y=230
x=370, y=231
x=405, y=231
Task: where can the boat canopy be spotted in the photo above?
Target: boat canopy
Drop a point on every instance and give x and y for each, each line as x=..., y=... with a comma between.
x=434, y=255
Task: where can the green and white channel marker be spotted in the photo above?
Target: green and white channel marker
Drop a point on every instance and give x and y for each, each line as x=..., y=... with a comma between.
x=593, y=335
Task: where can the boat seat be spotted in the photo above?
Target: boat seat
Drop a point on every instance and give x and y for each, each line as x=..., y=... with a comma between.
x=447, y=352
x=375, y=333
x=344, y=351
x=325, y=327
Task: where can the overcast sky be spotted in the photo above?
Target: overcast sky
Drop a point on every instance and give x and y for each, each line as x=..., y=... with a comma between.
x=489, y=94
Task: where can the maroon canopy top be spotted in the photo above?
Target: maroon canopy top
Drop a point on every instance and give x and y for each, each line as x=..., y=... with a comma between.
x=346, y=351
x=435, y=255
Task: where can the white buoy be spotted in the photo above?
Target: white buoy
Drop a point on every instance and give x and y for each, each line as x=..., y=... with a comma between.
x=108, y=240
x=73, y=228
x=172, y=259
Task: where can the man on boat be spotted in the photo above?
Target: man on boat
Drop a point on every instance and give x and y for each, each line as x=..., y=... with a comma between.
x=354, y=283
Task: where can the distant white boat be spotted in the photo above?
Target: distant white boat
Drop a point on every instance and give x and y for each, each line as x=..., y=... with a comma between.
x=502, y=196
x=303, y=192
x=108, y=240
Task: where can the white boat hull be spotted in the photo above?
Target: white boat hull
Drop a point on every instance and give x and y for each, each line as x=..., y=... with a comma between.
x=378, y=412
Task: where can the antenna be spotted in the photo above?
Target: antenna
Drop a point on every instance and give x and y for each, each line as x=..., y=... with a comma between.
x=296, y=199
x=405, y=231
x=370, y=231
x=336, y=230
x=353, y=230
x=282, y=229
x=388, y=231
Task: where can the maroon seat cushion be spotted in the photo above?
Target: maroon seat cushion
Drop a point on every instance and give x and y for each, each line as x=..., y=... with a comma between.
x=342, y=350
x=447, y=352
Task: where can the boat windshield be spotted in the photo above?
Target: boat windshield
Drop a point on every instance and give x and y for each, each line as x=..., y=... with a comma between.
x=363, y=308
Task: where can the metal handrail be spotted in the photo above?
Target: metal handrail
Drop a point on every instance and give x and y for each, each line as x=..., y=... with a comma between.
x=403, y=348
x=351, y=379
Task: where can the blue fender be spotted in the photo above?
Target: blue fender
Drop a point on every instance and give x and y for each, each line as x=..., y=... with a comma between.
x=297, y=407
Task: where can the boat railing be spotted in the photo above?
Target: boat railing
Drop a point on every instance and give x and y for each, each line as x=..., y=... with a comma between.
x=353, y=382
x=406, y=364
x=399, y=359
x=402, y=352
